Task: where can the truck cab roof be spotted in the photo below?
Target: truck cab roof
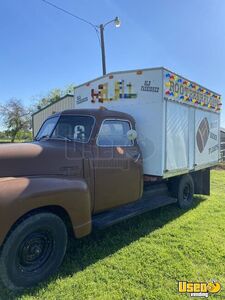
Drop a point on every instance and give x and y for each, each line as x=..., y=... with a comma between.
x=99, y=114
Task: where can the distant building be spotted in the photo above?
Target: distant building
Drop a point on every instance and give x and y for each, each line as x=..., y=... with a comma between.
x=222, y=142
x=66, y=102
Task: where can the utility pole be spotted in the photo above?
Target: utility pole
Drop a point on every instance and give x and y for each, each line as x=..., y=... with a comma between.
x=101, y=28
x=103, y=49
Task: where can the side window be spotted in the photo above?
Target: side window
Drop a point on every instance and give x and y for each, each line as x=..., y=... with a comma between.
x=114, y=133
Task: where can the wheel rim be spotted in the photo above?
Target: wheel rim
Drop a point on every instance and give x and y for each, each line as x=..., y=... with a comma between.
x=187, y=193
x=34, y=251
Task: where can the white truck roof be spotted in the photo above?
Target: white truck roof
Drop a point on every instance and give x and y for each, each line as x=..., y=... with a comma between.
x=177, y=120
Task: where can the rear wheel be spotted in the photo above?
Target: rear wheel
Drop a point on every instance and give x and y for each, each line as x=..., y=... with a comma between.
x=183, y=190
x=33, y=251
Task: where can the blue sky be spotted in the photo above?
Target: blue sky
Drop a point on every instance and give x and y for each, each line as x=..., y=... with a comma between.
x=42, y=48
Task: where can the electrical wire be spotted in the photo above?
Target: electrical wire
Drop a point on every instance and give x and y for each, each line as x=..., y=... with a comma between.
x=97, y=32
x=75, y=16
x=69, y=13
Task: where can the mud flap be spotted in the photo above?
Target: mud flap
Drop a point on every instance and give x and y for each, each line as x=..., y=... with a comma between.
x=201, y=181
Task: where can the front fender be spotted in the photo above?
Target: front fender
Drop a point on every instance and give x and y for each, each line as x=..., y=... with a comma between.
x=20, y=195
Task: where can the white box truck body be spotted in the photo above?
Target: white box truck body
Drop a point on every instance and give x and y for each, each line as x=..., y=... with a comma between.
x=177, y=120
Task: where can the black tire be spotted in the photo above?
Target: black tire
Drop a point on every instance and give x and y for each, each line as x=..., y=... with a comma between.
x=183, y=190
x=33, y=251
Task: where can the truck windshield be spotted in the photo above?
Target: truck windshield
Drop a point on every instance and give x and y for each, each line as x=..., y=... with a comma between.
x=75, y=128
x=47, y=128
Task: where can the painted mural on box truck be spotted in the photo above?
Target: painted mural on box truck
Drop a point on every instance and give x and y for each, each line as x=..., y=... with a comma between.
x=121, y=90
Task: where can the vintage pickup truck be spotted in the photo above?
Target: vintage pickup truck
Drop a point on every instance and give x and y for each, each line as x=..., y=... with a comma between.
x=84, y=170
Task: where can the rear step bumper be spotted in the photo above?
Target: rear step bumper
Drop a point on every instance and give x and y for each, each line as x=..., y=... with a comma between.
x=153, y=197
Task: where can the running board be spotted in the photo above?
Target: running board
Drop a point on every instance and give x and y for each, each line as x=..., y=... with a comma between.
x=148, y=202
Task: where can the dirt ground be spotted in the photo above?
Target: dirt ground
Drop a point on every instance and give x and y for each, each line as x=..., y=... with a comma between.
x=221, y=166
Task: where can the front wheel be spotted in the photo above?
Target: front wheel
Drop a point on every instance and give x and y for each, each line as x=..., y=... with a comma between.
x=33, y=251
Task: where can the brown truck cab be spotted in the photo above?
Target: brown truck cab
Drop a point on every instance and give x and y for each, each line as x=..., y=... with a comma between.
x=84, y=170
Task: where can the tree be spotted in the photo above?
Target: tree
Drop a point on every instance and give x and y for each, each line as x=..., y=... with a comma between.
x=53, y=96
x=15, y=117
x=2, y=135
x=25, y=135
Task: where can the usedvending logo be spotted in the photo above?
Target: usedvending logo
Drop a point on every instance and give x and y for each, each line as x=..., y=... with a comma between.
x=199, y=289
x=147, y=87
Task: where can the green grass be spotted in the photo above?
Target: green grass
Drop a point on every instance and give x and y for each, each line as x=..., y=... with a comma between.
x=144, y=257
x=2, y=141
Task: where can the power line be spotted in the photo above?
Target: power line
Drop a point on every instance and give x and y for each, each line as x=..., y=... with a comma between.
x=97, y=32
x=69, y=13
x=74, y=16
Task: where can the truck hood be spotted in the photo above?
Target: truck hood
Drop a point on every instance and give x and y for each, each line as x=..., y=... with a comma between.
x=39, y=158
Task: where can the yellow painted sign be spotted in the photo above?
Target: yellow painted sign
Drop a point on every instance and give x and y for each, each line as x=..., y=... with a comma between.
x=199, y=289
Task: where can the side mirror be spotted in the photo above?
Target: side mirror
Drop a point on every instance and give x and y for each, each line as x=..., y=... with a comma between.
x=131, y=134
